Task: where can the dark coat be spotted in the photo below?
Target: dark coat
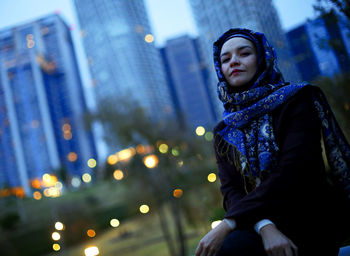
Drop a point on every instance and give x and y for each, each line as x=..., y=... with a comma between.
x=296, y=196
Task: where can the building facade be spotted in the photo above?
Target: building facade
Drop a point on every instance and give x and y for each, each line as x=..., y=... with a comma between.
x=321, y=47
x=122, y=58
x=187, y=78
x=42, y=104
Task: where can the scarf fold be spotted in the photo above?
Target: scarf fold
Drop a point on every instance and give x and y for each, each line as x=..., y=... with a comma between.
x=248, y=119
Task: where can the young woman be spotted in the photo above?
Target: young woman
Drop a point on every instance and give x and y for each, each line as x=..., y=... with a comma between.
x=277, y=194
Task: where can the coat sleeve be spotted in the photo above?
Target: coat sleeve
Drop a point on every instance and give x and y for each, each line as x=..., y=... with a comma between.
x=298, y=171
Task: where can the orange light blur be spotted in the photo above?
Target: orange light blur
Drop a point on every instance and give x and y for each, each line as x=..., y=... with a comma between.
x=112, y=159
x=5, y=192
x=36, y=183
x=91, y=233
x=67, y=136
x=118, y=174
x=177, y=193
x=150, y=161
x=37, y=195
x=140, y=149
x=72, y=157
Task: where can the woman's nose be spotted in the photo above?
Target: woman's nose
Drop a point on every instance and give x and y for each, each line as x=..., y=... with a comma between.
x=234, y=61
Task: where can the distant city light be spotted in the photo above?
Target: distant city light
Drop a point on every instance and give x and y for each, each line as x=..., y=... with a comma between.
x=212, y=177
x=150, y=161
x=91, y=251
x=112, y=159
x=56, y=247
x=114, y=223
x=200, y=130
x=144, y=208
x=58, y=185
x=59, y=225
x=209, y=136
x=86, y=177
x=175, y=152
x=214, y=224
x=118, y=174
x=56, y=236
x=149, y=38
x=177, y=193
x=72, y=157
x=91, y=163
x=163, y=148
x=91, y=233
x=180, y=163
x=49, y=180
x=76, y=182
x=37, y=195
x=140, y=149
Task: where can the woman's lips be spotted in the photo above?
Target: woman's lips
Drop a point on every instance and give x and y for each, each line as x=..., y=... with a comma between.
x=236, y=72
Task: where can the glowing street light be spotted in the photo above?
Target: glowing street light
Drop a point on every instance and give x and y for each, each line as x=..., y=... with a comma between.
x=56, y=236
x=163, y=148
x=59, y=225
x=86, y=177
x=200, y=130
x=144, y=208
x=91, y=251
x=118, y=174
x=56, y=247
x=114, y=223
x=91, y=163
x=177, y=193
x=212, y=177
x=91, y=233
x=150, y=161
x=149, y=38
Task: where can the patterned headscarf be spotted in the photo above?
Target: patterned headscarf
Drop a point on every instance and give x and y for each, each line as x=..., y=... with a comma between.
x=248, y=117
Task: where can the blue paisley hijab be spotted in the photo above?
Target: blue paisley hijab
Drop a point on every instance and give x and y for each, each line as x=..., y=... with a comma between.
x=248, y=118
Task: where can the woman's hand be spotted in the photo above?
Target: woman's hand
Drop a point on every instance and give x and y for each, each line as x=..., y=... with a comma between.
x=276, y=243
x=211, y=242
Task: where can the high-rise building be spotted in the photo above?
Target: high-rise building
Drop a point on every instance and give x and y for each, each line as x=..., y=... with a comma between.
x=42, y=104
x=213, y=18
x=187, y=78
x=321, y=47
x=123, y=59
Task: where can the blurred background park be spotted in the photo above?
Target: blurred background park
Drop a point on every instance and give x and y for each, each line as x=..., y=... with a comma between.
x=107, y=109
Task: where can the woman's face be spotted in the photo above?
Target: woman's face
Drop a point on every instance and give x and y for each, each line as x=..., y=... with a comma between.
x=238, y=61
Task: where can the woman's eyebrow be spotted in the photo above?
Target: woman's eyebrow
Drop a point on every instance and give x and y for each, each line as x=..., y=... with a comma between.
x=238, y=48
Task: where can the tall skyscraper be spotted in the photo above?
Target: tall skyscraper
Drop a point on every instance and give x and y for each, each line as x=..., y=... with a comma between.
x=321, y=47
x=42, y=104
x=213, y=18
x=187, y=78
x=123, y=60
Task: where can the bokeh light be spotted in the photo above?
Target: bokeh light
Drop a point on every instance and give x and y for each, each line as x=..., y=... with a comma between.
x=91, y=163
x=91, y=251
x=163, y=148
x=175, y=152
x=59, y=225
x=118, y=174
x=112, y=159
x=149, y=38
x=56, y=236
x=200, y=130
x=144, y=208
x=177, y=193
x=212, y=177
x=91, y=233
x=56, y=247
x=76, y=182
x=72, y=157
x=150, y=161
x=209, y=136
x=114, y=223
x=214, y=224
x=37, y=195
x=86, y=177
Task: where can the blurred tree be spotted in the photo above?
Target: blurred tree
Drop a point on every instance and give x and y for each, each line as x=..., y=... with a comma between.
x=180, y=179
x=335, y=6
x=337, y=90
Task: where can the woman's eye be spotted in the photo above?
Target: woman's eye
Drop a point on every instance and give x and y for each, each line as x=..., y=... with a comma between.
x=224, y=60
x=245, y=53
